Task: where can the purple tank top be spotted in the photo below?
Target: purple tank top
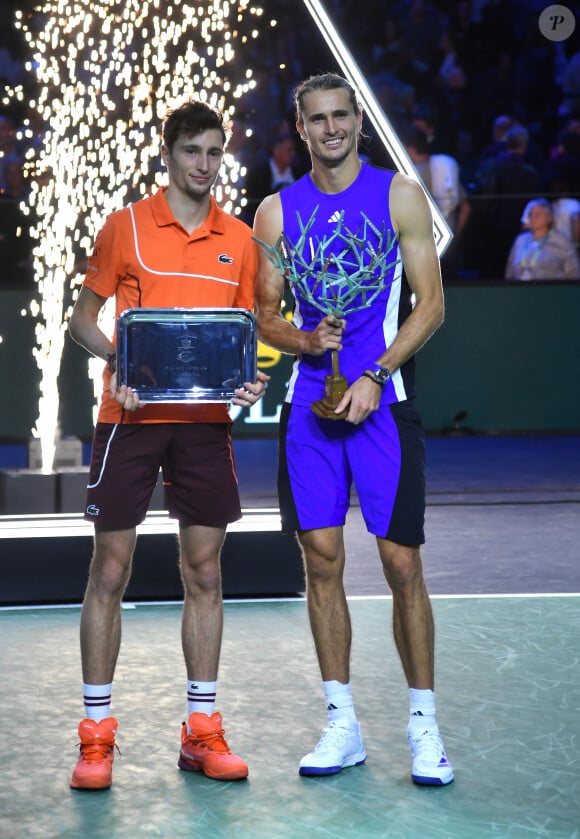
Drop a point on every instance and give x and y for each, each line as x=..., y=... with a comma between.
x=361, y=211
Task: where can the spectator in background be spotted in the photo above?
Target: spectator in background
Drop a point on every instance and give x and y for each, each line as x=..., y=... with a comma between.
x=566, y=210
x=16, y=185
x=421, y=25
x=512, y=183
x=491, y=152
x=278, y=171
x=440, y=174
x=427, y=120
x=571, y=86
x=397, y=75
x=540, y=252
x=465, y=27
x=493, y=91
x=565, y=159
x=451, y=82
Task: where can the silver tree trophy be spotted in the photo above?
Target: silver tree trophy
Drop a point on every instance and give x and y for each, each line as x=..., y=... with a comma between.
x=345, y=273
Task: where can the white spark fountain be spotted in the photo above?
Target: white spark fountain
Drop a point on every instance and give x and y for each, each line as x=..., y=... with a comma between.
x=106, y=73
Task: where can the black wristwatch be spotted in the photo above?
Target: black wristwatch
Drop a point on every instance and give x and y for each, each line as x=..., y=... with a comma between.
x=112, y=361
x=379, y=375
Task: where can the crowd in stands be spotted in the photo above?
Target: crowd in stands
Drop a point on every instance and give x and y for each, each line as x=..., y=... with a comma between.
x=487, y=107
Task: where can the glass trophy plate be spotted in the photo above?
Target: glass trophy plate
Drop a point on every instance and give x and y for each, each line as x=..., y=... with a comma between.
x=186, y=355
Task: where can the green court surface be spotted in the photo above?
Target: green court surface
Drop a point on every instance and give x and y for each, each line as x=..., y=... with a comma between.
x=508, y=689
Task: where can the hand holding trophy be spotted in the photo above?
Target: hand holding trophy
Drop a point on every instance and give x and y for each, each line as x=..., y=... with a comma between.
x=338, y=274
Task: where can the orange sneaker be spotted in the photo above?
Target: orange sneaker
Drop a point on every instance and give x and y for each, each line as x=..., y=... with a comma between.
x=205, y=750
x=94, y=769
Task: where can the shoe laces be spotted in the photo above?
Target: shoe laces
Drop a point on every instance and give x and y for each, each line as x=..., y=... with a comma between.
x=333, y=736
x=93, y=752
x=427, y=746
x=211, y=740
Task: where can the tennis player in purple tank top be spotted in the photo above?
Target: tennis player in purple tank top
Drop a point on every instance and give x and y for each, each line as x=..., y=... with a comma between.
x=349, y=210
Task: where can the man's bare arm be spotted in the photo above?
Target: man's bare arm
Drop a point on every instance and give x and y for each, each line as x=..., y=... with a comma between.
x=273, y=327
x=84, y=329
x=83, y=326
x=413, y=222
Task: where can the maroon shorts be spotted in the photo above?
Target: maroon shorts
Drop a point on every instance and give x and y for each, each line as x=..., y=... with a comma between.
x=197, y=462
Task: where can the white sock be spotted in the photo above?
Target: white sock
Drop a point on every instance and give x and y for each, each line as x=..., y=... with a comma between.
x=200, y=697
x=97, y=700
x=422, y=710
x=338, y=701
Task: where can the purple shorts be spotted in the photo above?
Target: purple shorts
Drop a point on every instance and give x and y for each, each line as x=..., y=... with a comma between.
x=384, y=457
x=196, y=459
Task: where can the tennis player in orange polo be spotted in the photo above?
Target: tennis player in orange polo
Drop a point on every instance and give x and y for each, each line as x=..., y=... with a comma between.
x=176, y=248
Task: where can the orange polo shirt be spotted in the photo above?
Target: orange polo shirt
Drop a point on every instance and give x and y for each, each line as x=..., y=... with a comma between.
x=145, y=258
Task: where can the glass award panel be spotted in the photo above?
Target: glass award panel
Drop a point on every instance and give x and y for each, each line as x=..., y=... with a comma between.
x=186, y=355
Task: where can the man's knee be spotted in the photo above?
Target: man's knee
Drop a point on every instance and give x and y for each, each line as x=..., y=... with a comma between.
x=201, y=573
x=323, y=554
x=402, y=565
x=109, y=576
x=199, y=558
x=111, y=563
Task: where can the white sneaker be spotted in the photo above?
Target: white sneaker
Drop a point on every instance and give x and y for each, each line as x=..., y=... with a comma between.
x=429, y=762
x=340, y=745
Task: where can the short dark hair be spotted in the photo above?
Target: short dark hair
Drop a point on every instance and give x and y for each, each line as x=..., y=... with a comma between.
x=323, y=81
x=517, y=138
x=279, y=140
x=570, y=141
x=414, y=138
x=191, y=118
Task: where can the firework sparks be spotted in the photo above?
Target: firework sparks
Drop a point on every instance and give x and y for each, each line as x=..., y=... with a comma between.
x=106, y=74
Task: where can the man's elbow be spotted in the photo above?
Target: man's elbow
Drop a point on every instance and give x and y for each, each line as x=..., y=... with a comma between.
x=436, y=310
x=263, y=323
x=72, y=327
x=76, y=327
x=74, y=324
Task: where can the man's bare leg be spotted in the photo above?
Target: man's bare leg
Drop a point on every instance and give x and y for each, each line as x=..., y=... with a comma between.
x=202, y=620
x=100, y=642
x=327, y=606
x=413, y=626
x=101, y=612
x=414, y=634
x=341, y=744
x=203, y=747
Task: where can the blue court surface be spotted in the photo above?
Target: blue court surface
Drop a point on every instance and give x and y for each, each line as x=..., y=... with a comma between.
x=502, y=564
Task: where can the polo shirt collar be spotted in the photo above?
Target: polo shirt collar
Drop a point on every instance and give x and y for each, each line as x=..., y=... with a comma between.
x=163, y=215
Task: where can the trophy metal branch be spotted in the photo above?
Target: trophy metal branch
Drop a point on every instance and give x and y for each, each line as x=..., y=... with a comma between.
x=338, y=274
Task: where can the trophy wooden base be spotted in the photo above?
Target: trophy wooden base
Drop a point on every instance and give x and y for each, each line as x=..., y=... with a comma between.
x=334, y=389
